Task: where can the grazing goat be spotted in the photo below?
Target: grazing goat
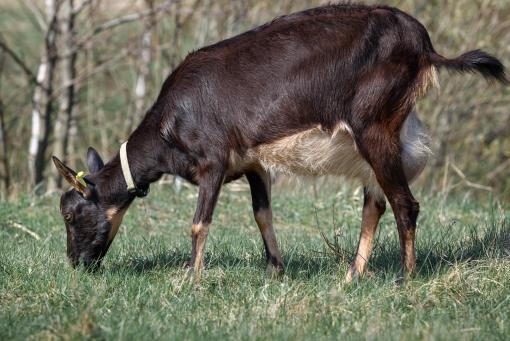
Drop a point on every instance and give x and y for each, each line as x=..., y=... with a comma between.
x=330, y=90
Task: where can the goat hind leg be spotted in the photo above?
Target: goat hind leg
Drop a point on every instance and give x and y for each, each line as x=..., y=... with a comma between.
x=383, y=151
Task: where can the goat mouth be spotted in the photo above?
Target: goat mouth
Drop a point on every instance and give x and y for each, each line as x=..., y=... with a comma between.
x=92, y=267
x=74, y=263
x=89, y=265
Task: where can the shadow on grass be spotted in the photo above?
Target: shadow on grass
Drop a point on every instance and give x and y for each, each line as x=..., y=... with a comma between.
x=158, y=261
x=435, y=254
x=440, y=252
x=298, y=266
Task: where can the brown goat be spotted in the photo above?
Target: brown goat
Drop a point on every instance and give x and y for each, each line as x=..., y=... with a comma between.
x=330, y=90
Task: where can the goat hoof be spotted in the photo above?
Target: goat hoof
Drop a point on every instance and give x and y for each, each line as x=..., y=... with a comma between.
x=274, y=271
x=193, y=274
x=353, y=274
x=404, y=277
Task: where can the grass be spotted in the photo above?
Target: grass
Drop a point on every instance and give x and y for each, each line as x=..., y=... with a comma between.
x=461, y=289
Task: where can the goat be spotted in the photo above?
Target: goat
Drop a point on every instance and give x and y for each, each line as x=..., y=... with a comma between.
x=329, y=90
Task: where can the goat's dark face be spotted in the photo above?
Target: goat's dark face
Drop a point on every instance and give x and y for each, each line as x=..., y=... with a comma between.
x=87, y=229
x=87, y=224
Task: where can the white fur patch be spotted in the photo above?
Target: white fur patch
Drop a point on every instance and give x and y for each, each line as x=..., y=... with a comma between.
x=317, y=152
x=313, y=152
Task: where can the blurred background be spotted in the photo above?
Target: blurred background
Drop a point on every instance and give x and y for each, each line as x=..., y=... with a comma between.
x=75, y=73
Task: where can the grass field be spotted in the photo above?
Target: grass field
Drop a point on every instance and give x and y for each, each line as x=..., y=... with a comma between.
x=461, y=289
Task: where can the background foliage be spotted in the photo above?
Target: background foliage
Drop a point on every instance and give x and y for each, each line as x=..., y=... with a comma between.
x=468, y=119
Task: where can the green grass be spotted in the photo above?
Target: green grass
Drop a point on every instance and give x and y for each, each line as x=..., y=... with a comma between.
x=461, y=289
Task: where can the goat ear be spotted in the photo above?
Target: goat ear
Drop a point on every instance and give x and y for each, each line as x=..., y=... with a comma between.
x=70, y=176
x=94, y=161
x=89, y=193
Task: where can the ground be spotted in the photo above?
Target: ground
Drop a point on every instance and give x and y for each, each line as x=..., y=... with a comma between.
x=461, y=289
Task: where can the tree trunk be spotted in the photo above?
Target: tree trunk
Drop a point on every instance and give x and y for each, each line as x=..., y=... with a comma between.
x=145, y=58
x=4, y=152
x=42, y=99
x=64, y=119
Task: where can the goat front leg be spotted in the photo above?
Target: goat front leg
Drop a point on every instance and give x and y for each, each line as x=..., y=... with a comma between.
x=373, y=209
x=260, y=186
x=209, y=189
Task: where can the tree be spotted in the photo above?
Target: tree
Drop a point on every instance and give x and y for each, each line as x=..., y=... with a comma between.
x=66, y=96
x=143, y=67
x=43, y=97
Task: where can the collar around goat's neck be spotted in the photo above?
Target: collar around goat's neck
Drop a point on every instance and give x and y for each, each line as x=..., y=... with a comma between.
x=131, y=186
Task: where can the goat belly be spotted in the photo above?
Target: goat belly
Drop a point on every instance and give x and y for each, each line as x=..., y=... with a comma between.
x=315, y=152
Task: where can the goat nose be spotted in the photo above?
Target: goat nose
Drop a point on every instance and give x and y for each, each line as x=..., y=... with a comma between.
x=74, y=262
x=92, y=265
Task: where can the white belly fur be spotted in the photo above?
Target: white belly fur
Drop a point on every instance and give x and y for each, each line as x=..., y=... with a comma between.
x=316, y=152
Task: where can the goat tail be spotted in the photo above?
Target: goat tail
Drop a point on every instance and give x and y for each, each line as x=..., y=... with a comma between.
x=474, y=61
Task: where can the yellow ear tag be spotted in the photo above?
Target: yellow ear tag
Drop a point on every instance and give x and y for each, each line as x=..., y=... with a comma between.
x=80, y=179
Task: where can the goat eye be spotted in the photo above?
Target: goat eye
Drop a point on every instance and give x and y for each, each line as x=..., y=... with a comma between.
x=68, y=217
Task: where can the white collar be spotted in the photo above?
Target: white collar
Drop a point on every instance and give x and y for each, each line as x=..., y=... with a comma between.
x=125, y=168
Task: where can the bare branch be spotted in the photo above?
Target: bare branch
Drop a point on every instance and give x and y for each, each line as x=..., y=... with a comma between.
x=37, y=13
x=118, y=22
x=132, y=17
x=81, y=6
x=112, y=24
x=499, y=169
x=17, y=59
x=25, y=229
x=469, y=183
x=104, y=65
